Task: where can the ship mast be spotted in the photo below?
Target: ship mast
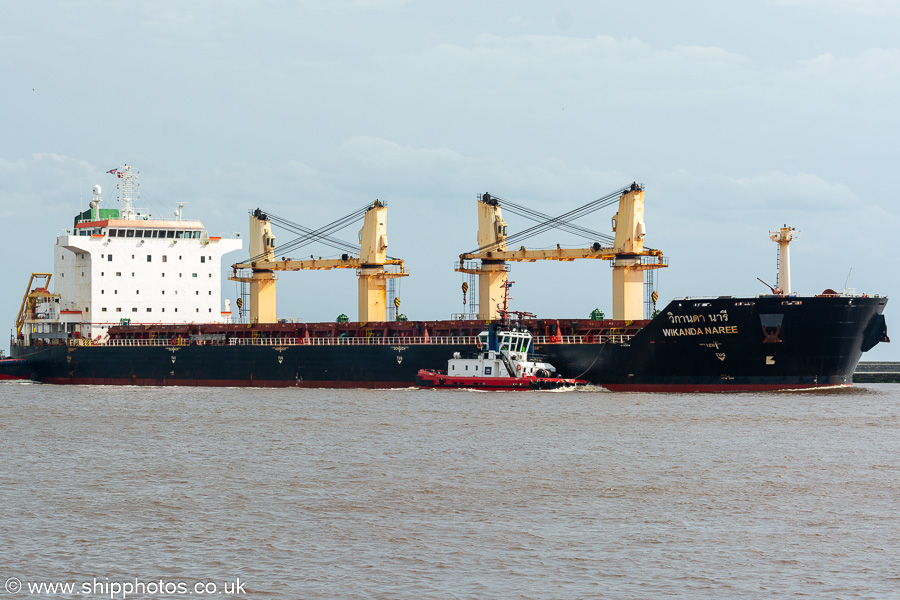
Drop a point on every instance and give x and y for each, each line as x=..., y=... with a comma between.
x=783, y=237
x=129, y=189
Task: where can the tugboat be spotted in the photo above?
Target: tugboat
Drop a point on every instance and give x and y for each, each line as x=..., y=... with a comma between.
x=504, y=360
x=501, y=362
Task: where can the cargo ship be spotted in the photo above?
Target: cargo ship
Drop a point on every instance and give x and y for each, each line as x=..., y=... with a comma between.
x=137, y=301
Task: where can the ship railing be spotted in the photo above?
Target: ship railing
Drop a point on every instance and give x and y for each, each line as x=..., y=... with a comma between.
x=293, y=341
x=356, y=341
x=582, y=339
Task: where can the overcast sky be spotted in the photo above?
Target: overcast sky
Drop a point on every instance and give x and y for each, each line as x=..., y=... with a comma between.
x=738, y=117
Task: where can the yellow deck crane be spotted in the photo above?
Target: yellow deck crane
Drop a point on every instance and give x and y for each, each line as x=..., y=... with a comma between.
x=34, y=295
x=373, y=266
x=627, y=250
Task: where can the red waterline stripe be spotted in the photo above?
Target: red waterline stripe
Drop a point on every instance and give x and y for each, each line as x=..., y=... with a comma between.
x=716, y=387
x=269, y=383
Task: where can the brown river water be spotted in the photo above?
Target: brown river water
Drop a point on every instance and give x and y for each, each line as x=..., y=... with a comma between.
x=150, y=492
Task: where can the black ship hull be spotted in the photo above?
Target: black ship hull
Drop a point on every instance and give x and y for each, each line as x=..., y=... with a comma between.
x=721, y=344
x=729, y=344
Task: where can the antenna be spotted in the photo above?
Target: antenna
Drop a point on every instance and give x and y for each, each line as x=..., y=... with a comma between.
x=847, y=283
x=128, y=187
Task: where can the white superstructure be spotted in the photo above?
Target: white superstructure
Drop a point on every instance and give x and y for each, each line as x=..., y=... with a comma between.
x=121, y=265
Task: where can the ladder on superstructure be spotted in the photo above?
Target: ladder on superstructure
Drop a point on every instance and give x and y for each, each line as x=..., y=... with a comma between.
x=649, y=286
x=244, y=303
x=778, y=268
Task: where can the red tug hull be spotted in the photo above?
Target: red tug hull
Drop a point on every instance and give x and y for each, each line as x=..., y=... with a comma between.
x=429, y=378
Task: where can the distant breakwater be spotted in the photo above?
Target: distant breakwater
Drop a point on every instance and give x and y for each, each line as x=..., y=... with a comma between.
x=877, y=372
